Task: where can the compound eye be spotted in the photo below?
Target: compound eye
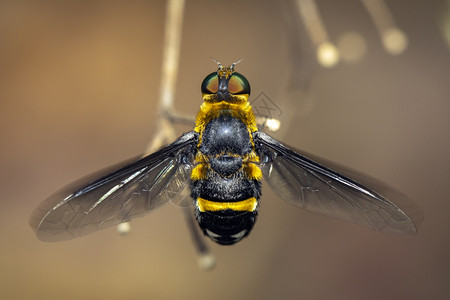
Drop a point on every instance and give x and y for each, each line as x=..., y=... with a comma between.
x=210, y=84
x=238, y=84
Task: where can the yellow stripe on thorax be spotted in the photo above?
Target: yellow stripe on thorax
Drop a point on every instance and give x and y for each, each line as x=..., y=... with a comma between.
x=244, y=205
x=211, y=110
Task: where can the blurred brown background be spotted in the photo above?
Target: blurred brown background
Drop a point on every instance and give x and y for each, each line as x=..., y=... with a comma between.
x=79, y=83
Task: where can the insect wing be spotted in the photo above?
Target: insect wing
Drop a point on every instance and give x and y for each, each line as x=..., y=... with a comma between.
x=133, y=190
x=335, y=190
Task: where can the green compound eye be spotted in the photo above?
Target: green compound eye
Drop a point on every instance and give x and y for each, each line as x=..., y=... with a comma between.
x=238, y=84
x=210, y=84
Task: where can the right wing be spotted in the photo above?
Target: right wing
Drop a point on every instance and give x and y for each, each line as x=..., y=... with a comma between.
x=327, y=188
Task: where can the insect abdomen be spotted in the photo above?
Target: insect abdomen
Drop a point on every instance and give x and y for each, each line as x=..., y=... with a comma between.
x=226, y=208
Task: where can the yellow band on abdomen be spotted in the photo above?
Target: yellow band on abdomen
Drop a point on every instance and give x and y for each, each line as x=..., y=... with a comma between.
x=244, y=205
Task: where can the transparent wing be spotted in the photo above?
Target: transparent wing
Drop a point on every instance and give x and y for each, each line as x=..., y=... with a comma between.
x=334, y=190
x=132, y=189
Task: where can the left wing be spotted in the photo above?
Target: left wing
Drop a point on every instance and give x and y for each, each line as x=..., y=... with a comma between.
x=120, y=193
x=330, y=189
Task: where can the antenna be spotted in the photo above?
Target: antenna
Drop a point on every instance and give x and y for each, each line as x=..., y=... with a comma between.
x=217, y=62
x=235, y=63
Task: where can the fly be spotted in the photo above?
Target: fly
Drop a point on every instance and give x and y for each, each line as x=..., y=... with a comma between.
x=223, y=160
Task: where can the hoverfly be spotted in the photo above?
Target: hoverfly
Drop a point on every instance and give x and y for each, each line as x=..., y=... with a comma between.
x=224, y=160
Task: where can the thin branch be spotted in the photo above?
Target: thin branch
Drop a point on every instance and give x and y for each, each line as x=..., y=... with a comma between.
x=167, y=116
x=172, y=44
x=394, y=39
x=326, y=52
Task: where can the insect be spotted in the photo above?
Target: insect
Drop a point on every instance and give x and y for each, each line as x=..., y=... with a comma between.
x=223, y=160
